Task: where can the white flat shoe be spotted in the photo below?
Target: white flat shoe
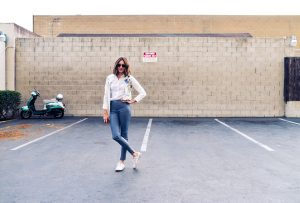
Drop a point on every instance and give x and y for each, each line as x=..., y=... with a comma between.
x=120, y=167
x=136, y=159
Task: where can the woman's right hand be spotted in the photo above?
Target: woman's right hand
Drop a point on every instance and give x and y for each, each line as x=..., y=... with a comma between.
x=105, y=116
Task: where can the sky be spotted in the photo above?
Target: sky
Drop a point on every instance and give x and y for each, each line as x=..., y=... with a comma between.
x=21, y=11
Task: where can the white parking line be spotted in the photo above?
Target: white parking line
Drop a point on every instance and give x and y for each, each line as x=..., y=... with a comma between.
x=288, y=121
x=246, y=136
x=146, y=136
x=43, y=137
x=6, y=121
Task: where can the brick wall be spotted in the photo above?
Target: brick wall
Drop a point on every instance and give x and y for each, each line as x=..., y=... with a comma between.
x=194, y=76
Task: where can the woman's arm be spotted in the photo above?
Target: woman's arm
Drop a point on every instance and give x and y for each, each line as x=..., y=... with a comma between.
x=105, y=97
x=105, y=100
x=136, y=85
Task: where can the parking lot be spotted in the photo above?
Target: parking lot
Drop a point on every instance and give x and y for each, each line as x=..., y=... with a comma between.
x=184, y=160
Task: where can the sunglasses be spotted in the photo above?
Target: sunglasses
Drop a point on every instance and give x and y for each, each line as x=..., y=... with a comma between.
x=123, y=65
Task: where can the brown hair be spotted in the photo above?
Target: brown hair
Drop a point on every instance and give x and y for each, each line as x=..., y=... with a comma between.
x=127, y=67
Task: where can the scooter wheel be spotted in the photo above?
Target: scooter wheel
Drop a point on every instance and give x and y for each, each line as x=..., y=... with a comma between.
x=25, y=114
x=59, y=114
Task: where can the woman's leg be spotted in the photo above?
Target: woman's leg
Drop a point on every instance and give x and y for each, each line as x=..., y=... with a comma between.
x=115, y=125
x=125, y=116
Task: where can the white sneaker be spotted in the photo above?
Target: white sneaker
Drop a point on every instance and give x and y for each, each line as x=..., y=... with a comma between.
x=136, y=159
x=120, y=166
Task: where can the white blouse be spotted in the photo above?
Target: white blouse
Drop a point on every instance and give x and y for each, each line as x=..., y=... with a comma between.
x=116, y=89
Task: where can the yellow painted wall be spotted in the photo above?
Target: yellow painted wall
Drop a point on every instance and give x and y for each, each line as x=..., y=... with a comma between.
x=258, y=26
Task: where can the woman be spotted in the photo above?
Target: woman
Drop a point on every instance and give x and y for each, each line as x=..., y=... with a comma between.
x=116, y=107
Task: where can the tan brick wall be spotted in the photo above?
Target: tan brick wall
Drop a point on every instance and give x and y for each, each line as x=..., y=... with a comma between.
x=258, y=26
x=193, y=76
x=292, y=109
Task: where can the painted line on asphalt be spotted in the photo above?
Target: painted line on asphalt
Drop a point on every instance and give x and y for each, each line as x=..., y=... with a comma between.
x=45, y=136
x=289, y=121
x=6, y=121
x=246, y=136
x=146, y=136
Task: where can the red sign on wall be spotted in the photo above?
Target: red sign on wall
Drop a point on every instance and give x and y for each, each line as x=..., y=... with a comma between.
x=150, y=56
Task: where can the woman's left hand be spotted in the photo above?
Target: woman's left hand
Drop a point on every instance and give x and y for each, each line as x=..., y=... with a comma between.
x=130, y=101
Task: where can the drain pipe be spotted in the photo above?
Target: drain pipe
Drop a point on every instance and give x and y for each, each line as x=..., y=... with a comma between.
x=2, y=61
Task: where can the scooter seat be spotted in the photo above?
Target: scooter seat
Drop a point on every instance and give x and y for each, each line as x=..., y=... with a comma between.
x=49, y=101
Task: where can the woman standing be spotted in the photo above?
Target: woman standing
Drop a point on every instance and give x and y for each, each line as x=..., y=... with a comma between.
x=116, y=107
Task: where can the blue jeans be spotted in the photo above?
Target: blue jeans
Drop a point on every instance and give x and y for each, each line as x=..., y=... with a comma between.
x=120, y=115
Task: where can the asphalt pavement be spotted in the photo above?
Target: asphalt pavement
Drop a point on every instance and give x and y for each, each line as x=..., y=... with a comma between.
x=184, y=160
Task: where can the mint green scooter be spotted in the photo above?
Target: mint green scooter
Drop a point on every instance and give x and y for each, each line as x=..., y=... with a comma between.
x=51, y=107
